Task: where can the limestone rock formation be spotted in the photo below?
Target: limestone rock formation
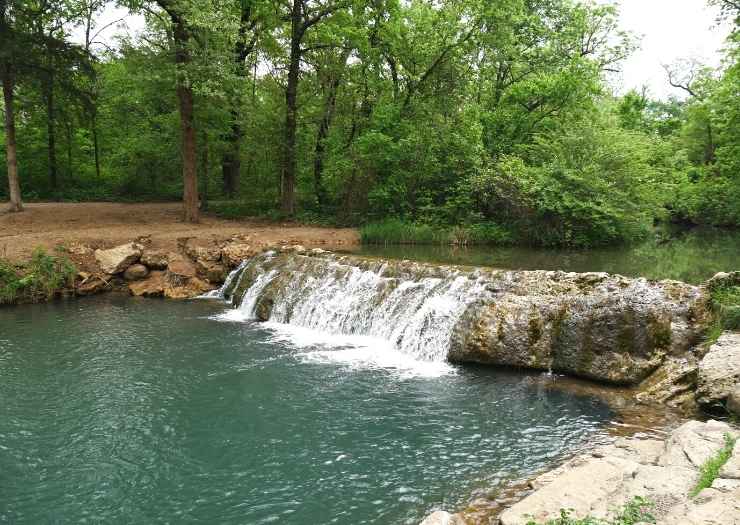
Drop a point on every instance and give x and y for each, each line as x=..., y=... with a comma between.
x=135, y=272
x=604, y=327
x=441, y=517
x=152, y=286
x=116, y=260
x=719, y=371
x=234, y=253
x=154, y=259
x=733, y=400
x=664, y=472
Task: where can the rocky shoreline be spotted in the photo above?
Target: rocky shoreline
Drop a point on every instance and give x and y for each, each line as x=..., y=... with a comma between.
x=664, y=472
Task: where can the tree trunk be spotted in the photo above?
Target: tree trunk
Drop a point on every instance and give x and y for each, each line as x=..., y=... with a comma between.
x=231, y=161
x=96, y=145
x=287, y=189
x=320, y=150
x=187, y=124
x=51, y=131
x=10, y=144
x=204, y=172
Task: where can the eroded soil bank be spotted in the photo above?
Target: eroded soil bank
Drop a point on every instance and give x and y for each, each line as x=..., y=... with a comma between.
x=103, y=225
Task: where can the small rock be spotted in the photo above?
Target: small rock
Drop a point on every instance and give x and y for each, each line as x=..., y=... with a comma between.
x=180, y=271
x=135, y=272
x=76, y=248
x=91, y=285
x=198, y=252
x=119, y=258
x=154, y=259
x=212, y=271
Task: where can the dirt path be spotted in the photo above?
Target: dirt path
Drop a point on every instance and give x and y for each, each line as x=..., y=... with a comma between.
x=102, y=225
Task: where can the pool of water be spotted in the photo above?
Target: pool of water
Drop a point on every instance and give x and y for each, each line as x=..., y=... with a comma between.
x=692, y=256
x=120, y=410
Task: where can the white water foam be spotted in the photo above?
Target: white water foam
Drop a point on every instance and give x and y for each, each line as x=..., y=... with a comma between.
x=355, y=351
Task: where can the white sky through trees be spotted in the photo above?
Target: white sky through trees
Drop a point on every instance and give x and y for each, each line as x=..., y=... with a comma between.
x=668, y=30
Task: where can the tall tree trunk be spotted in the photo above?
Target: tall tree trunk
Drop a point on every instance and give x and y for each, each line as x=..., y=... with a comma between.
x=96, y=144
x=204, y=171
x=231, y=160
x=287, y=189
x=51, y=131
x=10, y=145
x=187, y=124
x=320, y=150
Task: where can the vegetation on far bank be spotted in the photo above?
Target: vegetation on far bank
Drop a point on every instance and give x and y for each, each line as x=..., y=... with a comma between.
x=41, y=278
x=425, y=121
x=636, y=511
x=725, y=304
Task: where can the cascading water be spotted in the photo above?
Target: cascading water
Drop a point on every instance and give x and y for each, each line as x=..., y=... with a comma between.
x=594, y=325
x=417, y=316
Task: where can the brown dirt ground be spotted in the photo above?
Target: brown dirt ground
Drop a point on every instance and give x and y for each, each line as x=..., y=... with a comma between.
x=102, y=225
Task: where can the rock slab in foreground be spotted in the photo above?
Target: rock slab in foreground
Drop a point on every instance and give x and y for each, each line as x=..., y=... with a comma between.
x=719, y=372
x=661, y=471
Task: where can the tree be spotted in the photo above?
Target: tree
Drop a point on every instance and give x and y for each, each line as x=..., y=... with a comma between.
x=302, y=16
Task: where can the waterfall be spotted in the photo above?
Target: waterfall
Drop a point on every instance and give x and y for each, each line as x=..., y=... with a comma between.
x=416, y=315
x=601, y=326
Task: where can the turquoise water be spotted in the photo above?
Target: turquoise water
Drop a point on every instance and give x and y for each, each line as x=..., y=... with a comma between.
x=119, y=410
x=692, y=256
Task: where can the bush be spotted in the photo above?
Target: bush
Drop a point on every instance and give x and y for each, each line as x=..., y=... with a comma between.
x=396, y=231
x=40, y=279
x=710, y=469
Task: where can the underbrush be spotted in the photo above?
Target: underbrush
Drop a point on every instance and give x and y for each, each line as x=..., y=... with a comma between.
x=725, y=304
x=710, y=469
x=636, y=511
x=39, y=279
x=395, y=231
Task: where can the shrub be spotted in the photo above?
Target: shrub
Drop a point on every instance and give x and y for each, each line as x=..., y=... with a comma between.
x=41, y=278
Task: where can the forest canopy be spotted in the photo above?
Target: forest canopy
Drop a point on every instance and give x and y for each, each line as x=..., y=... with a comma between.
x=492, y=119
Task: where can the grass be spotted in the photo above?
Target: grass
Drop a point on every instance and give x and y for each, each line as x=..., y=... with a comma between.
x=39, y=279
x=395, y=231
x=710, y=469
x=635, y=511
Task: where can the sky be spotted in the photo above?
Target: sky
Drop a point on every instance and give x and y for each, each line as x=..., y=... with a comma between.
x=668, y=30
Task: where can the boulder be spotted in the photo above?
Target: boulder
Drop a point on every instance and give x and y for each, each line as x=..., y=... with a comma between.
x=662, y=472
x=213, y=272
x=733, y=400
x=135, y=272
x=154, y=259
x=116, y=260
x=197, y=251
x=152, y=286
x=234, y=253
x=179, y=271
x=189, y=289
x=719, y=371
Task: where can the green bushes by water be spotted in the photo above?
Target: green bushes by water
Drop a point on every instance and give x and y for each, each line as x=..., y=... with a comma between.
x=710, y=469
x=396, y=231
x=39, y=279
x=725, y=303
x=636, y=511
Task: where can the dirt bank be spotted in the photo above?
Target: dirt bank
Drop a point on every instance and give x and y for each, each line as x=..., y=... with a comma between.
x=108, y=224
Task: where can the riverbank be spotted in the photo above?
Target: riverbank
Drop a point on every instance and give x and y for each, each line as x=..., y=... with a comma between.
x=689, y=477
x=104, y=225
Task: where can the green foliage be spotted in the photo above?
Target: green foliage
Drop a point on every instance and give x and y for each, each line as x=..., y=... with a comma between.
x=710, y=469
x=395, y=231
x=41, y=278
x=635, y=511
